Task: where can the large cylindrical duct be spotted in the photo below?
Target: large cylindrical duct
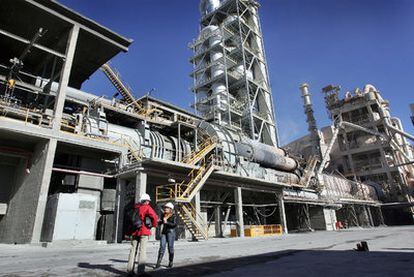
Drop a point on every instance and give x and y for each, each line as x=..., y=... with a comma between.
x=75, y=94
x=235, y=145
x=217, y=69
x=208, y=6
x=265, y=155
x=282, y=177
x=158, y=146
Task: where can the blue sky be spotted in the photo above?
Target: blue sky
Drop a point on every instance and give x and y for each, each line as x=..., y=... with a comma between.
x=345, y=42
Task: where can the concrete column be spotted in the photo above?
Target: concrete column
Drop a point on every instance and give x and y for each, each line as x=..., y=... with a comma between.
x=282, y=213
x=119, y=210
x=48, y=155
x=362, y=215
x=64, y=77
x=197, y=205
x=218, y=221
x=140, y=185
x=26, y=208
x=239, y=211
x=381, y=217
x=199, y=217
x=371, y=220
x=226, y=219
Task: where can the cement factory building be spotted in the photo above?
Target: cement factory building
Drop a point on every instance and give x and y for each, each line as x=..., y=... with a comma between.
x=73, y=163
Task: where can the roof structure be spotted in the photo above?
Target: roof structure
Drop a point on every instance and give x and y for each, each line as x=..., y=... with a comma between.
x=21, y=19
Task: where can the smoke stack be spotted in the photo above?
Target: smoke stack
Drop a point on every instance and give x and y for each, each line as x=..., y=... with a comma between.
x=310, y=118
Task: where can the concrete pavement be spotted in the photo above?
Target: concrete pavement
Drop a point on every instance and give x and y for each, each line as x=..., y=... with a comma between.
x=314, y=254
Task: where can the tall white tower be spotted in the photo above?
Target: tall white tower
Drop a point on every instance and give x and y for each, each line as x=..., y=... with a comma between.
x=231, y=81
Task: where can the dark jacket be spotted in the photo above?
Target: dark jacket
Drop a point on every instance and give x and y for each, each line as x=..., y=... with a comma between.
x=169, y=226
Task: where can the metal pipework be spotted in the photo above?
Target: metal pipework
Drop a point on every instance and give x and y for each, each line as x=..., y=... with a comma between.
x=310, y=118
x=265, y=155
x=235, y=145
x=307, y=104
x=208, y=6
x=402, y=133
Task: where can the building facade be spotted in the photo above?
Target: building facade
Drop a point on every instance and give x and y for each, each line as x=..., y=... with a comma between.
x=377, y=152
x=74, y=163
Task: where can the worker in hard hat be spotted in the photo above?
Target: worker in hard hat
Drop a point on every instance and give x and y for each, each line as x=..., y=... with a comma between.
x=144, y=218
x=167, y=229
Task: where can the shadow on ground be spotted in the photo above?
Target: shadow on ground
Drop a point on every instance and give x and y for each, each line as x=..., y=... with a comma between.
x=304, y=262
x=293, y=263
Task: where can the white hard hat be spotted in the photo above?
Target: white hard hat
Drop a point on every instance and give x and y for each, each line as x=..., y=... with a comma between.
x=169, y=205
x=144, y=197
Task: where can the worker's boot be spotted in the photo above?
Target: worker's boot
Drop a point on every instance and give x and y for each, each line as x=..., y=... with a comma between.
x=160, y=255
x=170, y=264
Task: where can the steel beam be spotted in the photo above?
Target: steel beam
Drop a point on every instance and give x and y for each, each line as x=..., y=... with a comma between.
x=54, y=13
x=35, y=45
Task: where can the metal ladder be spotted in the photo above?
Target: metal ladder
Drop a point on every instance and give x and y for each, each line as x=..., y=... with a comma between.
x=183, y=193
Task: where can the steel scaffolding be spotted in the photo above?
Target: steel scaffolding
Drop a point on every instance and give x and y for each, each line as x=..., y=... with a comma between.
x=231, y=81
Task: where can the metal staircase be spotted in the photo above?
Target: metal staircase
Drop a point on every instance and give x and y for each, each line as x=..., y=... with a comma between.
x=183, y=193
x=134, y=154
x=206, y=147
x=186, y=212
x=198, y=177
x=115, y=78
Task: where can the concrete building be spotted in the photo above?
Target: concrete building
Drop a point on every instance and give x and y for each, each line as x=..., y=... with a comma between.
x=73, y=163
x=378, y=152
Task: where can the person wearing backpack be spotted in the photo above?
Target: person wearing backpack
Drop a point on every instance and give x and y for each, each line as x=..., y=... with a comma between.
x=143, y=219
x=168, y=225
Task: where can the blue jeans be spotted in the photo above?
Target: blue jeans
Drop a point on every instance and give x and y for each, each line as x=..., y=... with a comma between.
x=167, y=238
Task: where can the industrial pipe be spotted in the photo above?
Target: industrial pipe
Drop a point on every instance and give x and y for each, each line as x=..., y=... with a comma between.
x=402, y=133
x=82, y=172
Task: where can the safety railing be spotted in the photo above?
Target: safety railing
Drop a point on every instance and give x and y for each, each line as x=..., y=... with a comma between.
x=14, y=109
x=184, y=191
x=190, y=217
x=208, y=145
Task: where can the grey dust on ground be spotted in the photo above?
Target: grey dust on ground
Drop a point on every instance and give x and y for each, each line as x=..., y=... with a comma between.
x=311, y=254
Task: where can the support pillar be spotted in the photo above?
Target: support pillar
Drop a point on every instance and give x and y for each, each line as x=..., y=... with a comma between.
x=218, y=221
x=226, y=219
x=239, y=211
x=282, y=213
x=140, y=185
x=370, y=219
x=119, y=211
x=64, y=77
x=197, y=205
x=199, y=217
x=26, y=209
x=48, y=155
x=381, y=217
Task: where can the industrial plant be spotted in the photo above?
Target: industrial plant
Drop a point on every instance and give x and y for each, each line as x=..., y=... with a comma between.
x=73, y=163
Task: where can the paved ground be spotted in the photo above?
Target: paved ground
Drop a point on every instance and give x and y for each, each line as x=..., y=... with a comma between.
x=311, y=254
